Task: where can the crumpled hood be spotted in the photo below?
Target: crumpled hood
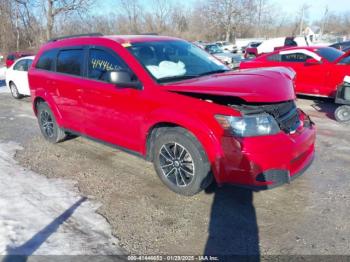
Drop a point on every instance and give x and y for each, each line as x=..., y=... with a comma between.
x=263, y=85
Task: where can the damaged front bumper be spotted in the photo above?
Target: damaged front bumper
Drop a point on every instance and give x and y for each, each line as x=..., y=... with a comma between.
x=269, y=161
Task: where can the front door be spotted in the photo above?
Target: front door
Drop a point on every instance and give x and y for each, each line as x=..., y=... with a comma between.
x=112, y=113
x=310, y=78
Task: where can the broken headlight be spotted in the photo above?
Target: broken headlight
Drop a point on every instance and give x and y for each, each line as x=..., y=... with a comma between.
x=249, y=125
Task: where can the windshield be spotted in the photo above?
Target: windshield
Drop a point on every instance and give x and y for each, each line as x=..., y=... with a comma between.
x=213, y=49
x=330, y=53
x=254, y=45
x=175, y=60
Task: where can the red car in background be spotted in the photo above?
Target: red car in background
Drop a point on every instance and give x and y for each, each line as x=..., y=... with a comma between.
x=12, y=57
x=320, y=70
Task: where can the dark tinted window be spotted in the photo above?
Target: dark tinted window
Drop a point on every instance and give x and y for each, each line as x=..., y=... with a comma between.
x=11, y=57
x=290, y=42
x=70, y=61
x=274, y=57
x=331, y=54
x=295, y=57
x=47, y=60
x=100, y=62
x=345, y=61
x=255, y=45
x=21, y=66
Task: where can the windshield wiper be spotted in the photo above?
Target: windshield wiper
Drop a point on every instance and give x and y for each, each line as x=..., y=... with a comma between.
x=176, y=78
x=214, y=72
x=184, y=77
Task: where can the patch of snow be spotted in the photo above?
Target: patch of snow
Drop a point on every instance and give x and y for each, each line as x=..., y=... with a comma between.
x=44, y=216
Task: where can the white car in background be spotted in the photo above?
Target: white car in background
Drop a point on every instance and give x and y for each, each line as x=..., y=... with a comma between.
x=227, y=47
x=17, y=77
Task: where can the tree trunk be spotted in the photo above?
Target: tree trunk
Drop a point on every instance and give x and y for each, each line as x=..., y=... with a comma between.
x=50, y=19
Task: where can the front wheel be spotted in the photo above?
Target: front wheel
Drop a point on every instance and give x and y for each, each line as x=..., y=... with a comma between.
x=48, y=125
x=14, y=91
x=181, y=162
x=342, y=114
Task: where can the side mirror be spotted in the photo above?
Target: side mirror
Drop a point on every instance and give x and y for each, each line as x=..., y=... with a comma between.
x=122, y=79
x=312, y=61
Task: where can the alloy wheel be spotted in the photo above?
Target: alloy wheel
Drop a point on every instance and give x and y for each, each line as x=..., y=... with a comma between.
x=47, y=124
x=176, y=164
x=342, y=113
x=14, y=90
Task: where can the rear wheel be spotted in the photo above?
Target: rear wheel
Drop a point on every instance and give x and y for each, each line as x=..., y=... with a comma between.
x=48, y=125
x=14, y=91
x=181, y=162
x=342, y=114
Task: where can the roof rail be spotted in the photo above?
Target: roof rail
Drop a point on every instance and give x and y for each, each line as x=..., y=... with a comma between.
x=73, y=36
x=147, y=33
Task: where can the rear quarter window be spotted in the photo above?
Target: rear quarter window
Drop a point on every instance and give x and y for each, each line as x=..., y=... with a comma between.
x=274, y=57
x=47, y=60
x=70, y=61
x=11, y=57
x=295, y=57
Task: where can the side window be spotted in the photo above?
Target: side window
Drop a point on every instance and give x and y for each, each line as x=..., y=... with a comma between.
x=70, y=61
x=29, y=63
x=46, y=61
x=345, y=61
x=100, y=62
x=21, y=66
x=274, y=57
x=290, y=42
x=296, y=57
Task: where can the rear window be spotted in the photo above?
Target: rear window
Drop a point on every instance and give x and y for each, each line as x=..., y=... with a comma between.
x=11, y=57
x=70, y=61
x=47, y=61
x=331, y=54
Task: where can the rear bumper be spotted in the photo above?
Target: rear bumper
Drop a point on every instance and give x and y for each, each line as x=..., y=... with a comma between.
x=266, y=162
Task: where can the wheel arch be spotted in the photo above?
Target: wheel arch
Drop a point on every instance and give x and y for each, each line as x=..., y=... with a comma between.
x=52, y=106
x=210, y=143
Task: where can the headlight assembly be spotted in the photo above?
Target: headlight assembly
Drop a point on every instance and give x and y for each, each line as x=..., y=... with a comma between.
x=250, y=125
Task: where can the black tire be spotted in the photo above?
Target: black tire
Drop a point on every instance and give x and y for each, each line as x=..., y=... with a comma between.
x=48, y=125
x=342, y=114
x=14, y=91
x=185, y=148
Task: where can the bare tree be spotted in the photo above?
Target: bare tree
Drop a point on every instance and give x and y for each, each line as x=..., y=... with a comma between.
x=303, y=14
x=54, y=8
x=132, y=9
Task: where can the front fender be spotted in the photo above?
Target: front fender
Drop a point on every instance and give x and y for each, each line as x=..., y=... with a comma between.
x=207, y=132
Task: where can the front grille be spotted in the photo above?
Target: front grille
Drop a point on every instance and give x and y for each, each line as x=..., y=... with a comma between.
x=286, y=114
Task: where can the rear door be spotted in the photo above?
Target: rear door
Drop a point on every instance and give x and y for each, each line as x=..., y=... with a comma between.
x=66, y=83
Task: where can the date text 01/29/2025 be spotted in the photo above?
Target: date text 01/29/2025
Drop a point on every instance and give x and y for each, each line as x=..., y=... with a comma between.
x=173, y=258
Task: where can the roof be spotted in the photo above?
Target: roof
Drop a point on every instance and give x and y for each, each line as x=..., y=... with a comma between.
x=26, y=57
x=121, y=39
x=118, y=38
x=311, y=48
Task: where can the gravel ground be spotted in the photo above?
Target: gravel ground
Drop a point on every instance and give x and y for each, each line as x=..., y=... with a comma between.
x=309, y=216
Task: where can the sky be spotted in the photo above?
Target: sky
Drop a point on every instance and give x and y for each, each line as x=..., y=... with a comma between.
x=289, y=7
x=317, y=7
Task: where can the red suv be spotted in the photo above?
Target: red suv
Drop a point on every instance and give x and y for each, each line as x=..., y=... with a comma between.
x=172, y=103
